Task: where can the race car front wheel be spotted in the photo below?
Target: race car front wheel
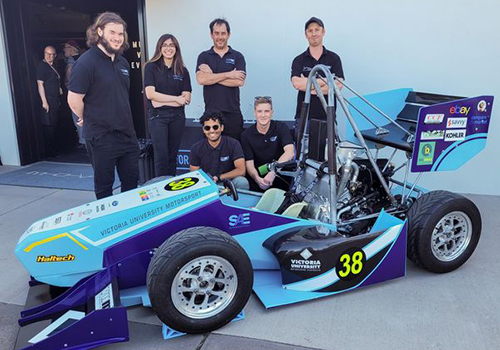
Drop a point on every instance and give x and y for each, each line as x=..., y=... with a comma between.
x=444, y=230
x=199, y=280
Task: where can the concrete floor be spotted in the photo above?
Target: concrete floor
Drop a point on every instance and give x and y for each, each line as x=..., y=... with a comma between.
x=459, y=310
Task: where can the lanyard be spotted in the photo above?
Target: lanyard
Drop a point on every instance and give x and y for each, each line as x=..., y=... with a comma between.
x=55, y=71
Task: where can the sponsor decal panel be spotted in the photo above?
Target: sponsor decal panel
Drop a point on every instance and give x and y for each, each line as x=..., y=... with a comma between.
x=305, y=264
x=240, y=220
x=433, y=118
x=481, y=106
x=432, y=135
x=426, y=153
x=181, y=184
x=104, y=300
x=479, y=119
x=54, y=258
x=459, y=110
x=456, y=123
x=455, y=135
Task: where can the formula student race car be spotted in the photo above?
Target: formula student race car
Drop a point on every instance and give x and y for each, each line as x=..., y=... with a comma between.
x=194, y=254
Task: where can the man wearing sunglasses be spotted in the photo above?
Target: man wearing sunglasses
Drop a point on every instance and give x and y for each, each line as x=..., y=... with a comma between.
x=265, y=142
x=221, y=70
x=315, y=54
x=49, y=88
x=221, y=157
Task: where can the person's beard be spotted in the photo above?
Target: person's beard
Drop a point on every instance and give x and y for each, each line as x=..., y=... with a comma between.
x=109, y=48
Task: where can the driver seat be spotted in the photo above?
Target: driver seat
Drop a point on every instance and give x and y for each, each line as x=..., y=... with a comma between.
x=272, y=199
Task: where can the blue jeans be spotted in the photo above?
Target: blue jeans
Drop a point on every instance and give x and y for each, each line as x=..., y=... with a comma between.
x=166, y=130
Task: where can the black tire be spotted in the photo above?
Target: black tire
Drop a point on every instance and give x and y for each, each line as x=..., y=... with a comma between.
x=183, y=251
x=425, y=215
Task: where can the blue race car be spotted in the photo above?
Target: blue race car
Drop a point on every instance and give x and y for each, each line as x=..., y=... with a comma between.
x=194, y=254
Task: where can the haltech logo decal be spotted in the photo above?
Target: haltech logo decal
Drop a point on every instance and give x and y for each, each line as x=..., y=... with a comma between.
x=181, y=184
x=54, y=258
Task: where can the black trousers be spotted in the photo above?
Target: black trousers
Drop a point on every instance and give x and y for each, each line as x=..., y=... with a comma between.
x=111, y=151
x=233, y=124
x=49, y=124
x=166, y=131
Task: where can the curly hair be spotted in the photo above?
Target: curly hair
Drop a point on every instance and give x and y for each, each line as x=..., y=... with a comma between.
x=101, y=21
x=216, y=116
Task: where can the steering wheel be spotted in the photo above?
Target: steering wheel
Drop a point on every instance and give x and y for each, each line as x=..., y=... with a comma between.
x=230, y=189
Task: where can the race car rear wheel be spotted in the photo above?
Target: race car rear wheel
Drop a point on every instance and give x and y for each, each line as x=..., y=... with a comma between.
x=444, y=230
x=199, y=280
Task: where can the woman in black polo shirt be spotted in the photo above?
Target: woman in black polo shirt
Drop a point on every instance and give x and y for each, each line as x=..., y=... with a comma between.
x=168, y=88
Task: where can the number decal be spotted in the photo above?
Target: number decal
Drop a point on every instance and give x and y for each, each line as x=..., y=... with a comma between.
x=181, y=184
x=350, y=263
x=345, y=259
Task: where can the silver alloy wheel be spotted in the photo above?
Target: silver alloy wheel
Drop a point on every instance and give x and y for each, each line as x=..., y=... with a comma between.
x=451, y=236
x=204, y=287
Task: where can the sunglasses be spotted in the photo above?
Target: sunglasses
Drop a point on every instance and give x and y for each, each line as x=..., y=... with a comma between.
x=208, y=127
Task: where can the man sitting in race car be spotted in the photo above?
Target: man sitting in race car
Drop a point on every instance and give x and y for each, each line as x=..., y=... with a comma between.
x=219, y=156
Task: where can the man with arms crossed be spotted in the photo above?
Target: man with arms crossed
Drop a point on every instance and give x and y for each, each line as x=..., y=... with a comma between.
x=264, y=142
x=315, y=54
x=219, y=156
x=221, y=71
x=99, y=96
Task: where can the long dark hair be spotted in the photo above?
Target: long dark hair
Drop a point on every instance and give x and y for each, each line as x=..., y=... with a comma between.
x=178, y=63
x=100, y=22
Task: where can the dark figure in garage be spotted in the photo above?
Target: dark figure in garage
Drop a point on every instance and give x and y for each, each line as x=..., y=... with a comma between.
x=49, y=89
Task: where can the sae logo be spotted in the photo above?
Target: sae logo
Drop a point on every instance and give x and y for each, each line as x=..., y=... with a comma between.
x=239, y=220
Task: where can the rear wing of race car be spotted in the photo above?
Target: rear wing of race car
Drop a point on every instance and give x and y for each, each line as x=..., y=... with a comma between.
x=442, y=132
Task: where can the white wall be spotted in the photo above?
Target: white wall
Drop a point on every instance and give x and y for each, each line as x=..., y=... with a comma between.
x=446, y=46
x=9, y=152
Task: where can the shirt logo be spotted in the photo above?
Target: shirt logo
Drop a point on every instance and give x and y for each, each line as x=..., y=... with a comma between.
x=125, y=72
x=230, y=61
x=273, y=138
x=178, y=77
x=224, y=159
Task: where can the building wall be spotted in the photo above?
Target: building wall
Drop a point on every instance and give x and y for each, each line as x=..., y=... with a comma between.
x=447, y=46
x=9, y=151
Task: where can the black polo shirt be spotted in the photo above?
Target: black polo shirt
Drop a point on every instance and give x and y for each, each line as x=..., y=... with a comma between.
x=164, y=80
x=303, y=64
x=106, y=85
x=216, y=161
x=268, y=147
x=219, y=97
x=51, y=80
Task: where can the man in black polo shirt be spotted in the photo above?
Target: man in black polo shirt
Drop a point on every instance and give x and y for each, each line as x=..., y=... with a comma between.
x=219, y=156
x=264, y=142
x=221, y=71
x=304, y=63
x=49, y=89
x=99, y=96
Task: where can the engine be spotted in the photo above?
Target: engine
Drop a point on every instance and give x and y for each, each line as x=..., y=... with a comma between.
x=359, y=191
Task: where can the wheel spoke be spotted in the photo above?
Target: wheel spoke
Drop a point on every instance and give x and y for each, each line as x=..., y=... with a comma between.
x=191, y=301
x=204, y=304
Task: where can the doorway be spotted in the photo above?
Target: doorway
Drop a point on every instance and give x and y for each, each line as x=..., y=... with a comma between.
x=30, y=26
